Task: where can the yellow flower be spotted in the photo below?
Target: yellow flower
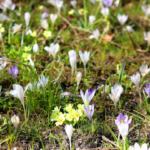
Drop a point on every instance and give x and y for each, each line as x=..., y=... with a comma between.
x=27, y=48
x=60, y=119
x=69, y=108
x=69, y=117
x=34, y=34
x=47, y=34
x=80, y=106
x=71, y=12
x=41, y=7
x=26, y=55
x=76, y=115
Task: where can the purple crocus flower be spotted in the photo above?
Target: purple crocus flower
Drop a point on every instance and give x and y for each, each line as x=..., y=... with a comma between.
x=14, y=71
x=89, y=111
x=147, y=89
x=90, y=91
x=44, y=15
x=122, y=119
x=107, y=3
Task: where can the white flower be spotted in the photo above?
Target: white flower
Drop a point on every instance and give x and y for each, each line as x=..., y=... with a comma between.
x=106, y=88
x=43, y=81
x=84, y=57
x=31, y=87
x=1, y=37
x=69, y=131
x=44, y=24
x=18, y=92
x=73, y=3
x=78, y=78
x=30, y=60
x=8, y=4
x=122, y=19
x=144, y=70
x=91, y=19
x=117, y=3
x=105, y=11
x=146, y=9
x=15, y=120
x=129, y=29
x=86, y=98
x=3, y=17
x=135, y=78
x=29, y=32
x=53, y=17
x=3, y=63
x=95, y=34
x=59, y=4
x=72, y=59
x=93, y=1
x=16, y=28
x=137, y=147
x=27, y=18
x=116, y=92
x=36, y=47
x=147, y=37
x=53, y=49
x=123, y=129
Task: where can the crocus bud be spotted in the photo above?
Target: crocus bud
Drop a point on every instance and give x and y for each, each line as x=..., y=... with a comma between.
x=79, y=76
x=15, y=120
x=95, y=34
x=16, y=28
x=105, y=11
x=84, y=57
x=73, y=3
x=123, y=129
x=72, y=59
x=59, y=4
x=135, y=78
x=44, y=24
x=122, y=19
x=14, y=71
x=91, y=19
x=36, y=48
x=69, y=131
x=53, y=17
x=27, y=17
x=147, y=37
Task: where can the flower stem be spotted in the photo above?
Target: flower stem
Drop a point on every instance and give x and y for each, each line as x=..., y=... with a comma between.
x=125, y=144
x=92, y=127
x=24, y=113
x=70, y=143
x=139, y=95
x=85, y=70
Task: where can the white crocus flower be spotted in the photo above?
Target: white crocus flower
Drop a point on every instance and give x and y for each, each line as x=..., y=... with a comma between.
x=1, y=37
x=147, y=37
x=93, y=1
x=117, y=3
x=18, y=92
x=144, y=70
x=78, y=78
x=29, y=32
x=146, y=9
x=16, y=28
x=44, y=24
x=43, y=81
x=59, y=4
x=15, y=120
x=53, y=17
x=135, y=78
x=123, y=130
x=53, y=49
x=122, y=19
x=105, y=11
x=137, y=147
x=3, y=17
x=3, y=63
x=116, y=92
x=73, y=3
x=27, y=18
x=69, y=131
x=7, y=4
x=91, y=19
x=86, y=98
x=84, y=57
x=129, y=29
x=72, y=59
x=95, y=34
x=36, y=47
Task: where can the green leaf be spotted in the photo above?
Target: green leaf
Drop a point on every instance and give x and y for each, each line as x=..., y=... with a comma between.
x=53, y=136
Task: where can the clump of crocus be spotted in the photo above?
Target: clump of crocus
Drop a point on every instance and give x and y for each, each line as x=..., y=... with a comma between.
x=72, y=59
x=138, y=147
x=147, y=89
x=122, y=19
x=44, y=24
x=146, y=10
x=122, y=119
x=53, y=17
x=15, y=120
x=52, y=49
x=27, y=18
x=14, y=71
x=147, y=37
x=87, y=98
x=107, y=3
x=144, y=70
x=95, y=34
x=69, y=131
x=116, y=92
x=91, y=19
x=85, y=58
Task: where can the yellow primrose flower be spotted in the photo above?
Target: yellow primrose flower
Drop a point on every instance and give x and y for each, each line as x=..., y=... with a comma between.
x=34, y=34
x=80, y=106
x=27, y=48
x=26, y=55
x=55, y=113
x=81, y=11
x=71, y=12
x=60, y=119
x=76, y=115
x=69, y=117
x=47, y=34
x=69, y=108
x=2, y=29
x=41, y=7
